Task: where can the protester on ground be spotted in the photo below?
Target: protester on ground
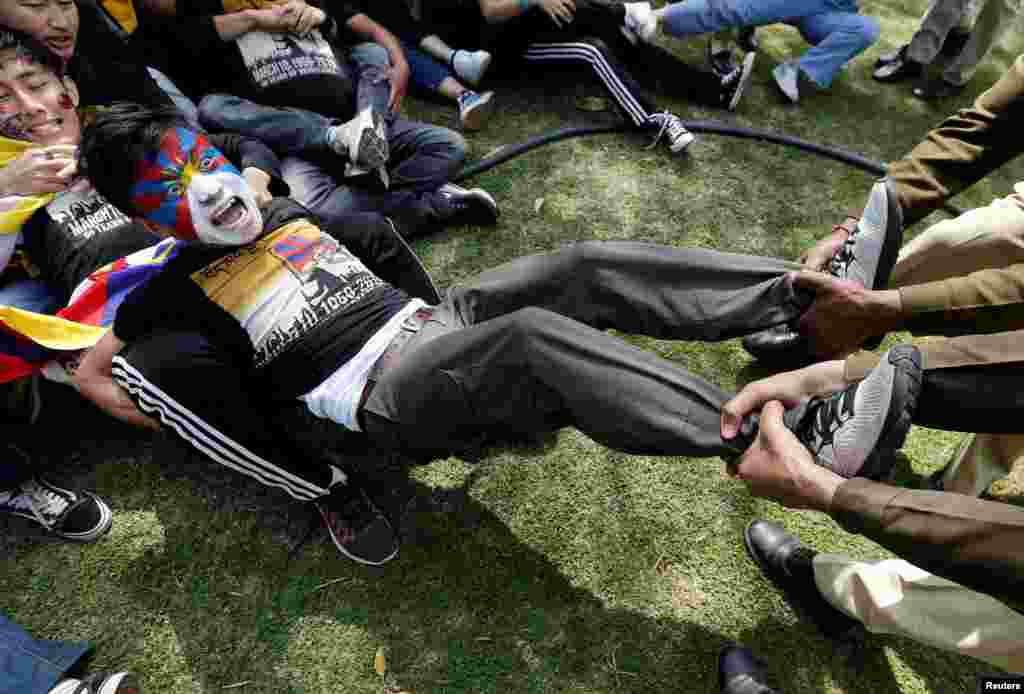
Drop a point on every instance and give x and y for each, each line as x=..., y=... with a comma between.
x=96, y=57
x=518, y=350
x=835, y=29
x=946, y=39
x=410, y=161
x=588, y=33
x=68, y=232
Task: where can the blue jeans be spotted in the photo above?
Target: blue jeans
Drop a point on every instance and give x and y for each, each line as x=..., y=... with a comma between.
x=425, y=72
x=834, y=28
x=295, y=131
x=29, y=666
x=422, y=158
x=184, y=104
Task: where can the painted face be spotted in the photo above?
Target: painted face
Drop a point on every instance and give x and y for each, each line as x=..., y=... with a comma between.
x=51, y=22
x=35, y=104
x=189, y=188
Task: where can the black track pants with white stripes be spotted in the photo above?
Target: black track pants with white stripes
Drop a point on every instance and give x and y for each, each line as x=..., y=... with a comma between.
x=595, y=39
x=198, y=391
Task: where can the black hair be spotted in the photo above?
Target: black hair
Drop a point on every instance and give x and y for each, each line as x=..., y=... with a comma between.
x=118, y=138
x=28, y=47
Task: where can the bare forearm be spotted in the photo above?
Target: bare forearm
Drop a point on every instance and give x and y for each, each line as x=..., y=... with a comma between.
x=495, y=11
x=370, y=30
x=231, y=26
x=112, y=399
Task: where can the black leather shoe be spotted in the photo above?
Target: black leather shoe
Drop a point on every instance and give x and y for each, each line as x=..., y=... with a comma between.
x=742, y=672
x=787, y=564
x=779, y=346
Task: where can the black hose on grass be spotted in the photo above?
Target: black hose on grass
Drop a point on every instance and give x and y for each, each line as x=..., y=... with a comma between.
x=841, y=155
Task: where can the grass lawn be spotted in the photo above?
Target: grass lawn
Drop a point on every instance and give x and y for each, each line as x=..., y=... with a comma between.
x=567, y=568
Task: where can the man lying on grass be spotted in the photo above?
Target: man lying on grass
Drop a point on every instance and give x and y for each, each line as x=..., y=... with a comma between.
x=261, y=307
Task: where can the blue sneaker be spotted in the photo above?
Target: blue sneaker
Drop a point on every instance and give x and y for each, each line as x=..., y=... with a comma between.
x=474, y=109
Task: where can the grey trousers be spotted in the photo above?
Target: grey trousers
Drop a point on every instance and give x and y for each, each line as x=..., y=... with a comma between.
x=993, y=19
x=521, y=350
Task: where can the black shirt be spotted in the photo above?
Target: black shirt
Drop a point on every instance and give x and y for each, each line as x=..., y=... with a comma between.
x=286, y=70
x=294, y=305
x=105, y=69
x=77, y=233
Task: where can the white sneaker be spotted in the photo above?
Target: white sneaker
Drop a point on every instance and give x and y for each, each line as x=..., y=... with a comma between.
x=641, y=24
x=470, y=66
x=787, y=76
x=869, y=253
x=672, y=129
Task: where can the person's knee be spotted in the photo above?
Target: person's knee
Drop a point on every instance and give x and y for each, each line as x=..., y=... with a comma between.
x=370, y=55
x=867, y=30
x=212, y=107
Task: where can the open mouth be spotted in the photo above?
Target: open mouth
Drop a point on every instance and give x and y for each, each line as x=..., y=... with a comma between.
x=230, y=214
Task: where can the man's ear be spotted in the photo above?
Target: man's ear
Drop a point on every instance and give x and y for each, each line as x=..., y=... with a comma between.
x=72, y=89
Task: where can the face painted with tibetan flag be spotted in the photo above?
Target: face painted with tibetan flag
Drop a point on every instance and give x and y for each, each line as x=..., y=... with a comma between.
x=190, y=188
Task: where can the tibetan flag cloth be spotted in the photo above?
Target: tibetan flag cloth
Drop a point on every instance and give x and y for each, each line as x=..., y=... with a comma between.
x=28, y=340
x=15, y=210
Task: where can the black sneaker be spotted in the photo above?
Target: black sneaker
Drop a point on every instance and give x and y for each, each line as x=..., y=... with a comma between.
x=75, y=516
x=736, y=82
x=467, y=206
x=898, y=69
x=789, y=565
x=869, y=253
x=100, y=683
x=742, y=672
x=856, y=432
x=357, y=527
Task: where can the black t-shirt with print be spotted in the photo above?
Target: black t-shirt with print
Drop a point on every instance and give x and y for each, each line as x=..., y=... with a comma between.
x=294, y=305
x=276, y=69
x=77, y=233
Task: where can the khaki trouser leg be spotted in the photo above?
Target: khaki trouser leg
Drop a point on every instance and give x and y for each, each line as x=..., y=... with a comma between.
x=983, y=238
x=894, y=597
x=980, y=460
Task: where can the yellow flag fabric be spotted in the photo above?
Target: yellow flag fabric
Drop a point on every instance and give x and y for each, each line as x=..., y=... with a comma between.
x=15, y=211
x=123, y=11
x=51, y=331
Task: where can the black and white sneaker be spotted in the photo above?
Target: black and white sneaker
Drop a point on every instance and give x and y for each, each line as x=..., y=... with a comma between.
x=117, y=683
x=856, y=432
x=357, y=527
x=893, y=67
x=363, y=140
x=672, y=129
x=75, y=516
x=869, y=253
x=736, y=82
x=467, y=206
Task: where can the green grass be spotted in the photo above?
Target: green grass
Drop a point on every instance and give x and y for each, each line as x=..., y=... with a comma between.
x=570, y=568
